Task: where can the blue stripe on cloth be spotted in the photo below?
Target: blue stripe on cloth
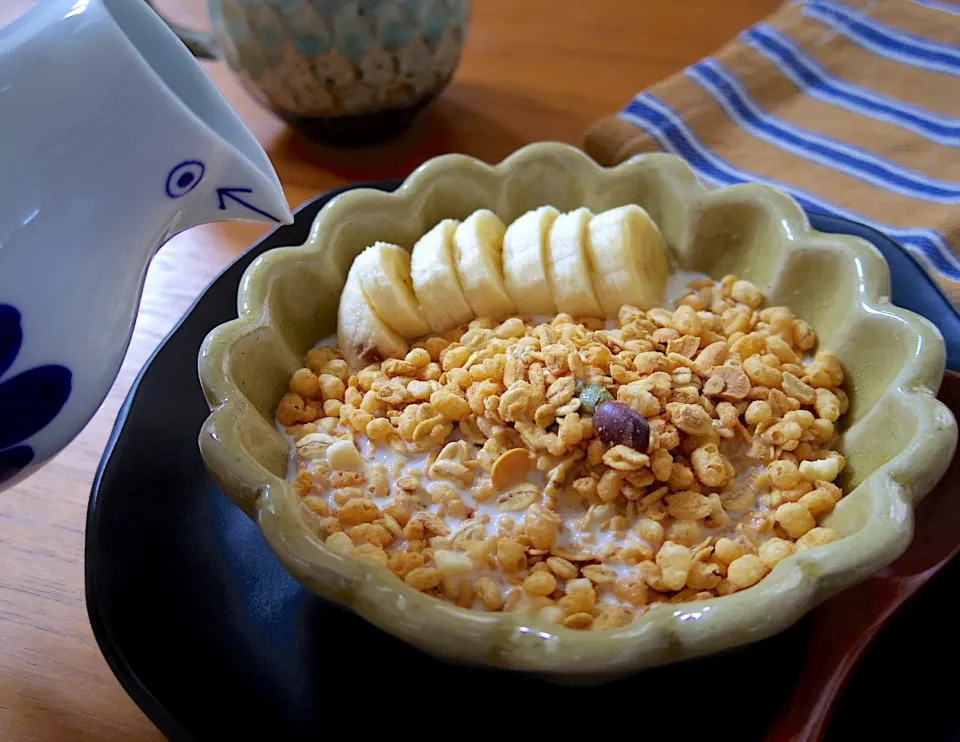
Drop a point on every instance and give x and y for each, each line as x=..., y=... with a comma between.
x=670, y=131
x=940, y=5
x=887, y=41
x=858, y=163
x=818, y=82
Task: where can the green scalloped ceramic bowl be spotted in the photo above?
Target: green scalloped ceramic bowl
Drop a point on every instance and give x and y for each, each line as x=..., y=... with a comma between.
x=897, y=438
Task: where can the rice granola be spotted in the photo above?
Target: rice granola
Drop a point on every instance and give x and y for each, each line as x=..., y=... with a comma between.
x=492, y=467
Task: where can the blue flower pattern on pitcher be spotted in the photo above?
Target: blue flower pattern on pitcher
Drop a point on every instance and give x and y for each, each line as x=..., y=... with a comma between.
x=331, y=58
x=29, y=401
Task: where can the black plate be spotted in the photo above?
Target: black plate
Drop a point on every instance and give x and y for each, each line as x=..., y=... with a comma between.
x=214, y=641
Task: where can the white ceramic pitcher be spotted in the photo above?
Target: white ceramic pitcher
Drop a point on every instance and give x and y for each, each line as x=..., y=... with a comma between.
x=112, y=140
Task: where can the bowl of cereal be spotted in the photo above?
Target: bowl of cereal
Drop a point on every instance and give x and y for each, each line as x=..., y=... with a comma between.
x=572, y=420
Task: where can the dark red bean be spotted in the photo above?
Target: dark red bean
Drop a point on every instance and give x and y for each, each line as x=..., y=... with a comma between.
x=618, y=424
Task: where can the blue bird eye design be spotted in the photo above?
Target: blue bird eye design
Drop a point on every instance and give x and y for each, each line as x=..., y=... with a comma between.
x=29, y=401
x=184, y=178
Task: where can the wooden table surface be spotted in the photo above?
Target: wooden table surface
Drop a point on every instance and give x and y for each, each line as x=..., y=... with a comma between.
x=531, y=70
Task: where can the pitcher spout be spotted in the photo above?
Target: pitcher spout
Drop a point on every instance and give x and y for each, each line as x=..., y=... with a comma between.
x=237, y=188
x=127, y=143
x=215, y=169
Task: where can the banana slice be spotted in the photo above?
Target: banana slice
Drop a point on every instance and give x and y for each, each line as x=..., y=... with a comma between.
x=435, y=280
x=628, y=258
x=477, y=245
x=568, y=265
x=384, y=272
x=524, y=261
x=364, y=338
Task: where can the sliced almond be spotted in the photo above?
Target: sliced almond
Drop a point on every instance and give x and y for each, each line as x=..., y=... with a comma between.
x=315, y=445
x=519, y=497
x=599, y=574
x=432, y=524
x=511, y=467
x=736, y=384
x=573, y=553
x=686, y=346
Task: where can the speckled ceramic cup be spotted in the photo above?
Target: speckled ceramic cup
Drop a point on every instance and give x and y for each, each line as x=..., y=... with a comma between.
x=341, y=71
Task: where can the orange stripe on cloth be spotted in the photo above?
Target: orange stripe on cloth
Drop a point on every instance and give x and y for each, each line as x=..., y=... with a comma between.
x=773, y=92
x=796, y=102
x=933, y=90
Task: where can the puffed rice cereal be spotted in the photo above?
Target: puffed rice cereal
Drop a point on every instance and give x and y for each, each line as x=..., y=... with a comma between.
x=474, y=471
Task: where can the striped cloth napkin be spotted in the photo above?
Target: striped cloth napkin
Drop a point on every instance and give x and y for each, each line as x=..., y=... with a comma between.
x=853, y=107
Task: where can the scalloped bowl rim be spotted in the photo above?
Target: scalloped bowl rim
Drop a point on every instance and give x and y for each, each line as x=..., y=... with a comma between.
x=669, y=633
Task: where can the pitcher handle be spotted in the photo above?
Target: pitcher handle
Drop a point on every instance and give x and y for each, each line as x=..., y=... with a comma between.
x=201, y=44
